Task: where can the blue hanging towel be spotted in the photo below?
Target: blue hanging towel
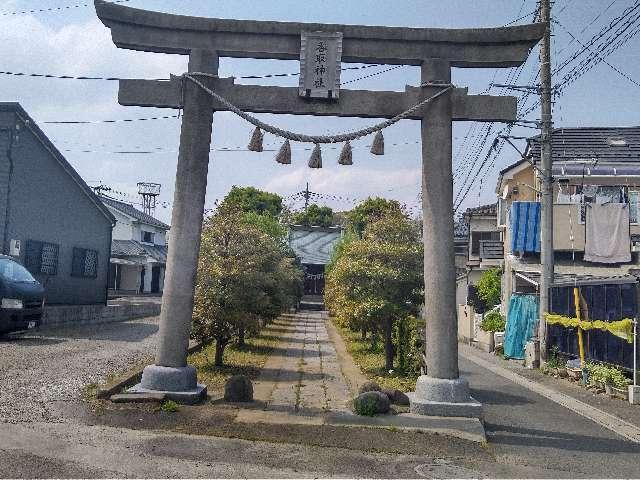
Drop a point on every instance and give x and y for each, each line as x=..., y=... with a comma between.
x=525, y=227
x=521, y=323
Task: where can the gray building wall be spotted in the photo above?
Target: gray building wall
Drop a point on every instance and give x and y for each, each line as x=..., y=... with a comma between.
x=42, y=200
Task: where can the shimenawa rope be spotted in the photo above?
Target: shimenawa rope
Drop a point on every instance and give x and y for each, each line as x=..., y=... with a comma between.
x=299, y=137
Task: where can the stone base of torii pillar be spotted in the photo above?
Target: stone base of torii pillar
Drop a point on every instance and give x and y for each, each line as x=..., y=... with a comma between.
x=444, y=398
x=175, y=383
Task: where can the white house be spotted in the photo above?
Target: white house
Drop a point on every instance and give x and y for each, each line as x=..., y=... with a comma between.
x=138, y=249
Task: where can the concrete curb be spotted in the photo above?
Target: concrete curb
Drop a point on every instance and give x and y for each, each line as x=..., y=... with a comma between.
x=461, y=427
x=470, y=429
x=133, y=376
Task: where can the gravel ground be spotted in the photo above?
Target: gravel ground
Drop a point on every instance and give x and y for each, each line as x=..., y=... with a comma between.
x=41, y=368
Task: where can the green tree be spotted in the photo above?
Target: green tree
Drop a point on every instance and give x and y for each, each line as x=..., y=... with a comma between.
x=244, y=278
x=259, y=208
x=314, y=216
x=370, y=210
x=489, y=287
x=376, y=281
x=250, y=199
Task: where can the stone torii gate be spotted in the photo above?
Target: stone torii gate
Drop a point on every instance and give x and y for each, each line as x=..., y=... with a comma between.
x=441, y=391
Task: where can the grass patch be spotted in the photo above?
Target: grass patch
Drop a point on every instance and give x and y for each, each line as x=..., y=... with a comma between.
x=90, y=392
x=169, y=406
x=246, y=360
x=371, y=362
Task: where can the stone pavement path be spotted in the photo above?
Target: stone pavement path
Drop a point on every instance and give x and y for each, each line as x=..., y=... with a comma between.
x=302, y=375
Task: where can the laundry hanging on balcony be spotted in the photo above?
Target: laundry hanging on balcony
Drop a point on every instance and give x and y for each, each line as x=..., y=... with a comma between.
x=525, y=227
x=607, y=238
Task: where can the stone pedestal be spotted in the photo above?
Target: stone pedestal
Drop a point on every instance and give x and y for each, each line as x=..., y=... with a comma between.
x=444, y=398
x=176, y=383
x=634, y=394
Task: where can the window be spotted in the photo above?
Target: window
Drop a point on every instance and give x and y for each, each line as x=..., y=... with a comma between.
x=14, y=272
x=41, y=257
x=477, y=236
x=85, y=263
x=147, y=237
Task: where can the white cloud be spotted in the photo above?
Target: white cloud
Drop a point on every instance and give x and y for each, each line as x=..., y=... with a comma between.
x=30, y=46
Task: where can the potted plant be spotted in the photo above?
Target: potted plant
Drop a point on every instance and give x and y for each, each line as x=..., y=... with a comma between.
x=491, y=323
x=574, y=370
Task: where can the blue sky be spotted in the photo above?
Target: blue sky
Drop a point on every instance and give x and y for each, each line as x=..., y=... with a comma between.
x=74, y=42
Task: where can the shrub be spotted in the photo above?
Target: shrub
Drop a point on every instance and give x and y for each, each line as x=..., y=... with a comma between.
x=493, y=322
x=600, y=374
x=489, y=287
x=555, y=359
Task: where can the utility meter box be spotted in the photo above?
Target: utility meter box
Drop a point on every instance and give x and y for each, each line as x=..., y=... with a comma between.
x=14, y=248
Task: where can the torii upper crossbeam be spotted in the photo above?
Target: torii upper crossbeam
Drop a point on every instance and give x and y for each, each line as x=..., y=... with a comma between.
x=441, y=392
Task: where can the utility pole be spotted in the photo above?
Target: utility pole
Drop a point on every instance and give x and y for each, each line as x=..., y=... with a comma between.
x=546, y=219
x=306, y=197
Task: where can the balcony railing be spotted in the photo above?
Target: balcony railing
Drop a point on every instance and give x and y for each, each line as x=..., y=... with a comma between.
x=491, y=249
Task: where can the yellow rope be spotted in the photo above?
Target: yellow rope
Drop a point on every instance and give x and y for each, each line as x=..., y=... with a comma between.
x=620, y=328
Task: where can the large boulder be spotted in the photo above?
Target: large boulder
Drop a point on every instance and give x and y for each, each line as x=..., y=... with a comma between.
x=369, y=387
x=238, y=389
x=371, y=403
x=396, y=397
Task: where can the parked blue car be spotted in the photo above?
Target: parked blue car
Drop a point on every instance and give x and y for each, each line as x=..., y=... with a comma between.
x=21, y=297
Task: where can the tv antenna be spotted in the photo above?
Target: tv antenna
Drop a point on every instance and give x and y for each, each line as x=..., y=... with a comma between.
x=149, y=193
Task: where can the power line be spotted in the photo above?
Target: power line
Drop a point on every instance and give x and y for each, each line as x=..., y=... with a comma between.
x=53, y=9
x=120, y=120
x=116, y=79
x=471, y=130
x=597, y=55
x=594, y=20
x=619, y=20
x=146, y=150
x=373, y=74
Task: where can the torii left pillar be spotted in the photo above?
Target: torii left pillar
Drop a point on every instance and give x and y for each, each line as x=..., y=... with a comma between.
x=170, y=374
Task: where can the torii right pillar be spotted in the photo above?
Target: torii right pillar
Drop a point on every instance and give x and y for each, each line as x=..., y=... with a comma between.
x=441, y=392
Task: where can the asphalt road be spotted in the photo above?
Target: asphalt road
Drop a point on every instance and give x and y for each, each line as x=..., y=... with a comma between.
x=526, y=429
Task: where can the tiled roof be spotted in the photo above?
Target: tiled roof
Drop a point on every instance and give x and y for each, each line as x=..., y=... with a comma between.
x=483, y=210
x=607, y=144
x=131, y=211
x=313, y=245
x=132, y=248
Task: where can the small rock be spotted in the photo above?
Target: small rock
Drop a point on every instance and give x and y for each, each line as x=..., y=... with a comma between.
x=238, y=389
x=370, y=403
x=369, y=387
x=396, y=397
